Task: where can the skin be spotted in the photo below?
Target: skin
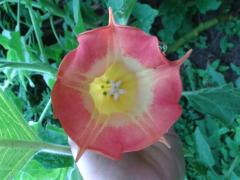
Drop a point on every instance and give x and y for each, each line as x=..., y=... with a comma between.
x=159, y=161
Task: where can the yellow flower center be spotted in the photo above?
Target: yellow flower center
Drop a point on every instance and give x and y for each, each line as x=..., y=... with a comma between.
x=115, y=91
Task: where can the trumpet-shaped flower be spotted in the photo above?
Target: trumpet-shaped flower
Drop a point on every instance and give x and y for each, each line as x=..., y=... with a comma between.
x=116, y=92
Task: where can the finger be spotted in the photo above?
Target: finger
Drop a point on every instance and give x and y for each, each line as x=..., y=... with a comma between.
x=94, y=166
x=168, y=158
x=156, y=162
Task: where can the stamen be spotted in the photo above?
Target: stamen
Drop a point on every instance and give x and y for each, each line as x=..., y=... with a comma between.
x=115, y=90
x=112, y=90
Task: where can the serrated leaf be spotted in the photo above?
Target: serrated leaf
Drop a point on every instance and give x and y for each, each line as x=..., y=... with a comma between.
x=221, y=102
x=4, y=41
x=53, y=134
x=50, y=81
x=145, y=16
x=224, y=44
x=235, y=68
x=52, y=7
x=35, y=170
x=52, y=161
x=13, y=132
x=205, y=5
x=216, y=76
x=77, y=15
x=122, y=9
x=203, y=149
x=16, y=52
x=54, y=52
x=173, y=14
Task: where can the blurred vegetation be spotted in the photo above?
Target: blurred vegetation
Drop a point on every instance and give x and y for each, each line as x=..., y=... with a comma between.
x=35, y=35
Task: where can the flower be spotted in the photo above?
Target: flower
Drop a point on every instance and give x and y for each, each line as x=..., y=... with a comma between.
x=116, y=92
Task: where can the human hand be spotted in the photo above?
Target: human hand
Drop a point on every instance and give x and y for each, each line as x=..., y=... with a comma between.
x=157, y=162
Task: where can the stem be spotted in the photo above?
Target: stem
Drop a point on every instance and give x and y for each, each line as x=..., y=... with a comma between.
x=186, y=93
x=54, y=32
x=34, y=4
x=232, y=167
x=11, y=12
x=37, y=33
x=35, y=67
x=129, y=11
x=44, y=111
x=54, y=9
x=28, y=34
x=195, y=32
x=18, y=17
x=36, y=145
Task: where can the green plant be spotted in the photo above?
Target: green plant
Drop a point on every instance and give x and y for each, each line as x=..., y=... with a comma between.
x=35, y=35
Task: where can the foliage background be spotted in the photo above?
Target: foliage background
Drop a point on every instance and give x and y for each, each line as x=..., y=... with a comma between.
x=35, y=35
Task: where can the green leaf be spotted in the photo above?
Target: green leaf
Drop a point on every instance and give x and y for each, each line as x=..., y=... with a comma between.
x=122, y=9
x=173, y=14
x=221, y=102
x=34, y=170
x=115, y=4
x=206, y=5
x=203, y=149
x=235, y=68
x=52, y=7
x=54, y=52
x=52, y=134
x=224, y=44
x=51, y=161
x=34, y=67
x=69, y=41
x=4, y=41
x=13, y=131
x=16, y=51
x=19, y=142
x=79, y=27
x=50, y=80
x=145, y=16
x=171, y=24
x=216, y=76
x=238, y=82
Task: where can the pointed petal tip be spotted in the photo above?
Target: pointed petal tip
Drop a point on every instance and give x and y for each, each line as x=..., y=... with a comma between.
x=186, y=56
x=164, y=141
x=189, y=52
x=180, y=61
x=111, y=20
x=79, y=154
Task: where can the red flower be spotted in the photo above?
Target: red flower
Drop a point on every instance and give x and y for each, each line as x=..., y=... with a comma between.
x=117, y=92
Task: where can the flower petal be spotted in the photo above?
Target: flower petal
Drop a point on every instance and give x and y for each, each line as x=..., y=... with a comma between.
x=140, y=46
x=70, y=109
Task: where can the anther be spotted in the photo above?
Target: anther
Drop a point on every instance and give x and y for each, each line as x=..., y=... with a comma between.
x=115, y=90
